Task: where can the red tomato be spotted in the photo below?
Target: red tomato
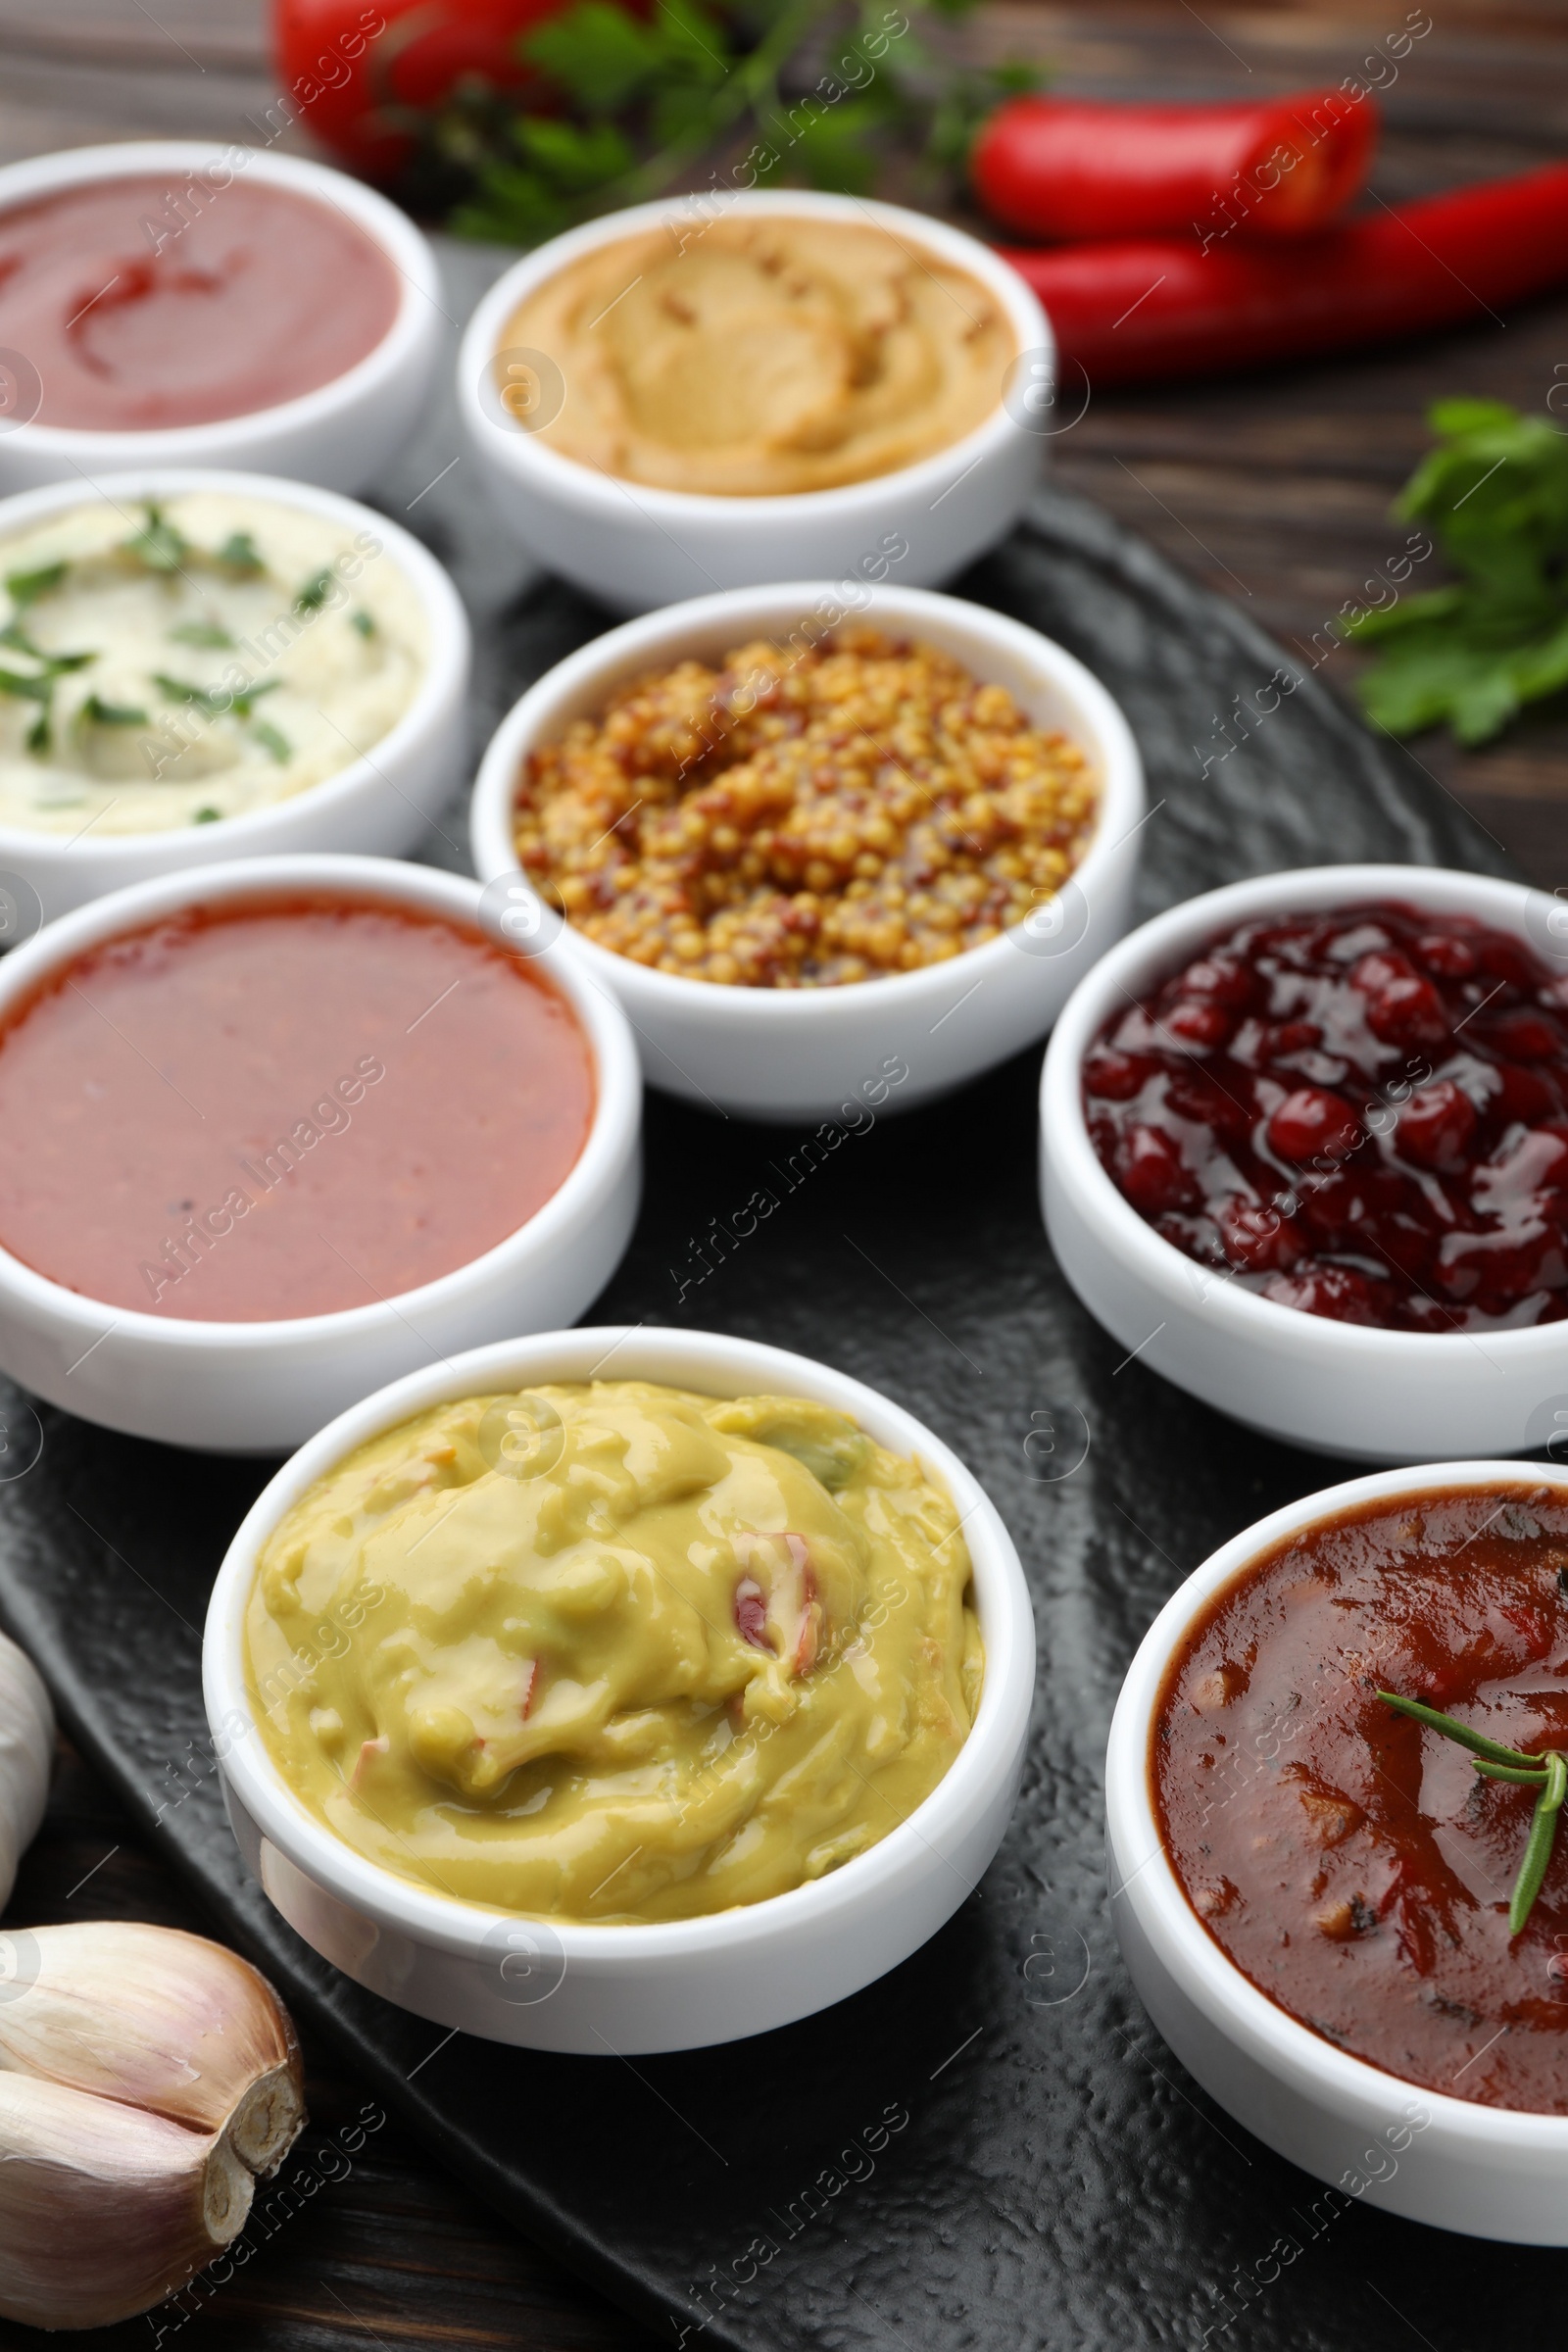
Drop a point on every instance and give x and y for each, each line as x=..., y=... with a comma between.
x=352, y=69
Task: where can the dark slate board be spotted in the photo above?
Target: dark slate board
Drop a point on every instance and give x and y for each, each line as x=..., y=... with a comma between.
x=990, y=2146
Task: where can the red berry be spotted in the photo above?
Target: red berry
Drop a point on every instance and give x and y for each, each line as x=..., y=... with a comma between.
x=1507, y=960
x=1152, y=1173
x=1436, y=1125
x=1192, y=1094
x=1225, y=978
x=1447, y=955
x=1289, y=1037
x=1257, y=1238
x=1525, y=1036
x=1407, y=1012
x=1116, y=1077
x=1372, y=973
x=1197, y=1021
x=1313, y=1124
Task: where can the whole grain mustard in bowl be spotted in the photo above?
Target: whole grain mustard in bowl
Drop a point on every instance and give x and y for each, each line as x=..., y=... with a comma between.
x=826, y=848
x=621, y=1689
x=670, y=400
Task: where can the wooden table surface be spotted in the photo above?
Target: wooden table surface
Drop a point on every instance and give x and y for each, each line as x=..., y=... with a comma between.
x=1274, y=490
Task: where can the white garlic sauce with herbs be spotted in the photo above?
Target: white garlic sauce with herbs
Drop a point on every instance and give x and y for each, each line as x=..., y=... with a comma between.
x=174, y=663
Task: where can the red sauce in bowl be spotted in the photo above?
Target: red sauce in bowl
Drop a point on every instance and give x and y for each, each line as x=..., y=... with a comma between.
x=1363, y=1115
x=263, y=296
x=283, y=1108
x=1351, y=1862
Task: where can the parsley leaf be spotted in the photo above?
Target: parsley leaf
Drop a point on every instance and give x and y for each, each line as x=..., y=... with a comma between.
x=205, y=817
x=362, y=621
x=597, y=54
x=238, y=553
x=1494, y=496
x=29, y=690
x=26, y=587
x=315, y=593
x=200, y=632
x=54, y=665
x=214, y=702
x=98, y=713
x=272, y=739
x=157, y=544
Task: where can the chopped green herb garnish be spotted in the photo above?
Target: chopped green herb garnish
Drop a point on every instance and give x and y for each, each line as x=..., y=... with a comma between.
x=38, y=733
x=28, y=690
x=200, y=632
x=272, y=739
x=99, y=713
x=205, y=817
x=315, y=593
x=26, y=587
x=362, y=622
x=54, y=665
x=157, y=544
x=239, y=553
x=214, y=702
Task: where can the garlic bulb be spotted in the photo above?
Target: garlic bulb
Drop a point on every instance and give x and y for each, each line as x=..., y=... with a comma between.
x=164, y=2021
x=26, y=1755
x=105, y=2210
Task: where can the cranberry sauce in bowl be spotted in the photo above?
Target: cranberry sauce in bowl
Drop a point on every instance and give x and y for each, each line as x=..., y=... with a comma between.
x=1361, y=1113
x=1350, y=1860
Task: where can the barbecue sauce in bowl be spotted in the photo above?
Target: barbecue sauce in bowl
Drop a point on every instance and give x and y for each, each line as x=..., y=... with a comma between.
x=1351, y=1862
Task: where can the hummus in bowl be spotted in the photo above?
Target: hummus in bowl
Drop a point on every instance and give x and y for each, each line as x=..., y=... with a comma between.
x=771, y=355
x=687, y=397
x=179, y=661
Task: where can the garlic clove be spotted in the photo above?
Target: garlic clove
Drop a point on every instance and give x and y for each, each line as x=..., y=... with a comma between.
x=26, y=1758
x=161, y=2021
x=104, y=2209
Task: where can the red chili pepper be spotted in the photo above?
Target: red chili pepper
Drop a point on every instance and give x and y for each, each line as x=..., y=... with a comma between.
x=357, y=69
x=1155, y=307
x=1066, y=167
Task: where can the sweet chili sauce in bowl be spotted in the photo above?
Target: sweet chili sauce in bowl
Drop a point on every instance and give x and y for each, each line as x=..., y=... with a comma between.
x=273, y=1131
x=1312, y=1891
x=168, y=303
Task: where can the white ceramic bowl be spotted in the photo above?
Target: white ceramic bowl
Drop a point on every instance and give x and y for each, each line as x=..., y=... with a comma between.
x=812, y=1054
x=634, y=545
x=260, y=1388
x=1337, y=1388
x=559, y=1984
x=343, y=433
x=382, y=804
x=1490, y=2172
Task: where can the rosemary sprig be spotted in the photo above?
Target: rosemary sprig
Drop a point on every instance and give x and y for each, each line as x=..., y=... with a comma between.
x=1547, y=1772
